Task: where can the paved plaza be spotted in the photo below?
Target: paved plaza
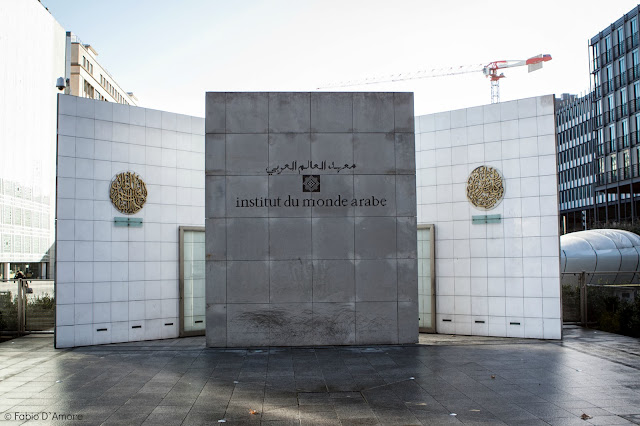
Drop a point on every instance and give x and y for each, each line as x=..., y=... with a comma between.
x=588, y=378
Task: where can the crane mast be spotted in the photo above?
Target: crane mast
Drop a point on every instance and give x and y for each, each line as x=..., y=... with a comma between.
x=489, y=70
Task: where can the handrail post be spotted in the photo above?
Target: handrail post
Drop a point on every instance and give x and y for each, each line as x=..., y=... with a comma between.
x=583, y=298
x=20, y=307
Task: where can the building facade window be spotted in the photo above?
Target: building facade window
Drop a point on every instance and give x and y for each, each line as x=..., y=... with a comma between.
x=620, y=40
x=611, y=104
x=626, y=164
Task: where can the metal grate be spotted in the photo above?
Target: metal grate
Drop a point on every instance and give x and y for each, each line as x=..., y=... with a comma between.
x=17, y=216
x=6, y=243
x=7, y=214
x=17, y=243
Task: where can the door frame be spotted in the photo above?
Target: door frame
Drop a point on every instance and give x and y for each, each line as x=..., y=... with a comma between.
x=181, y=231
x=432, y=264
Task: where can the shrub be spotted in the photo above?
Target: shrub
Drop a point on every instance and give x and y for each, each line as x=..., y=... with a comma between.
x=605, y=310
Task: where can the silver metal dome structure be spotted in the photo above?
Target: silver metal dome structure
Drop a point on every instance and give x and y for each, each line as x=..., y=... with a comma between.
x=600, y=250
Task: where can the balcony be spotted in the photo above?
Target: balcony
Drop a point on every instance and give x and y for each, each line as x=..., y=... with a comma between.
x=609, y=116
x=620, y=80
x=622, y=111
x=596, y=121
x=618, y=175
x=626, y=172
x=631, y=41
x=623, y=142
x=633, y=73
x=597, y=92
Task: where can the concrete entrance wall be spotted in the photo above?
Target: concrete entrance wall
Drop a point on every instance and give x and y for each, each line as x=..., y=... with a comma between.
x=310, y=219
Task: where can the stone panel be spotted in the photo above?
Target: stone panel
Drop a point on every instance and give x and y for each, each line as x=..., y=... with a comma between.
x=246, y=154
x=334, y=281
x=332, y=112
x=376, y=280
x=374, y=153
x=245, y=113
x=289, y=112
x=373, y=112
x=333, y=148
x=215, y=154
x=332, y=238
x=377, y=322
x=289, y=238
x=334, y=323
x=215, y=115
x=375, y=237
x=247, y=239
x=254, y=190
x=217, y=293
x=405, y=148
x=375, y=195
x=290, y=281
x=248, y=282
x=291, y=324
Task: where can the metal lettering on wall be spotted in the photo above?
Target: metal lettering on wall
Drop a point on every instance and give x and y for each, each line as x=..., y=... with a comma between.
x=310, y=165
x=485, y=187
x=128, y=192
x=310, y=183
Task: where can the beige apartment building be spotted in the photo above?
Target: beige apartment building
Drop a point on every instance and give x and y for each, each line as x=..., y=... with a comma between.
x=88, y=79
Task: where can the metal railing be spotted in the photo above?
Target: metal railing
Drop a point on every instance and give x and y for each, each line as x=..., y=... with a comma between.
x=609, y=116
x=615, y=52
x=620, y=80
x=27, y=306
x=631, y=41
x=594, y=298
x=618, y=175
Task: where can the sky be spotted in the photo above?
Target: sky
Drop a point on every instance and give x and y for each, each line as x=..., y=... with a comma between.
x=169, y=53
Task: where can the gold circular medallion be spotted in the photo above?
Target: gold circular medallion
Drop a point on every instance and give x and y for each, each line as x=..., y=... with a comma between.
x=128, y=192
x=485, y=188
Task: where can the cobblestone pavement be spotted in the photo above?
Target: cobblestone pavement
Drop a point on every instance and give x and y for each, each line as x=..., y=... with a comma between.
x=588, y=378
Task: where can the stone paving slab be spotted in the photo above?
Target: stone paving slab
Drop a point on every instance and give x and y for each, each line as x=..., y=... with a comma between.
x=589, y=378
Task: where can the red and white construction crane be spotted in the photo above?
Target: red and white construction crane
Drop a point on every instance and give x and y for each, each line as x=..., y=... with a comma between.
x=490, y=71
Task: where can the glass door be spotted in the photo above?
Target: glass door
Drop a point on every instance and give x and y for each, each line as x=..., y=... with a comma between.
x=192, y=281
x=426, y=279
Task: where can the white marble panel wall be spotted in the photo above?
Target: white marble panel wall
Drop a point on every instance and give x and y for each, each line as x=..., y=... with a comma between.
x=498, y=279
x=122, y=281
